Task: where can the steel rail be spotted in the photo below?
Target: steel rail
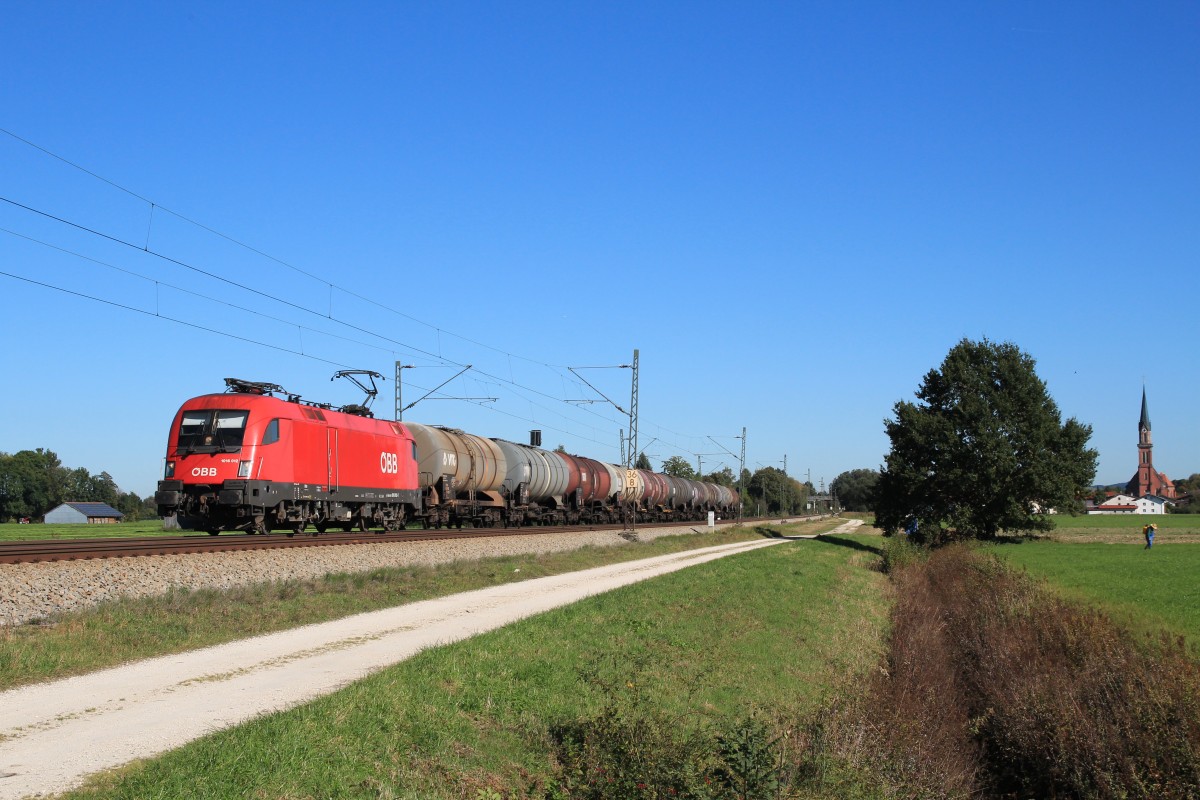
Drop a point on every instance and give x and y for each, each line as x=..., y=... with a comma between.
x=45, y=550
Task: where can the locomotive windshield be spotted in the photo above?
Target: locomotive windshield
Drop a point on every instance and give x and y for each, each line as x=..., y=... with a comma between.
x=212, y=431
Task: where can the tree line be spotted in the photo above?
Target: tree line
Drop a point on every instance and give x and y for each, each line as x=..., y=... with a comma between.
x=33, y=482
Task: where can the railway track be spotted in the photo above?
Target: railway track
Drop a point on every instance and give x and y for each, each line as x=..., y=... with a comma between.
x=32, y=551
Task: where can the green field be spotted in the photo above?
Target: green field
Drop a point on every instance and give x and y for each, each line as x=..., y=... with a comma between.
x=12, y=532
x=1149, y=590
x=769, y=632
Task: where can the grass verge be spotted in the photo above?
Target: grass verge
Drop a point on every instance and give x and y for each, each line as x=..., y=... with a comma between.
x=132, y=629
x=758, y=635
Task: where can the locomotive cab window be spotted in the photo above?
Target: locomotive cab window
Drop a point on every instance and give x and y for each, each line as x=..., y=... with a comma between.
x=271, y=434
x=212, y=431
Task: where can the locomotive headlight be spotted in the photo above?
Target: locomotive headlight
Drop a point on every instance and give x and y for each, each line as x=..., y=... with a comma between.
x=170, y=472
x=244, y=469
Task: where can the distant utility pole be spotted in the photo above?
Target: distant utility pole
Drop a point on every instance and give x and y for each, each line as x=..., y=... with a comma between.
x=741, y=473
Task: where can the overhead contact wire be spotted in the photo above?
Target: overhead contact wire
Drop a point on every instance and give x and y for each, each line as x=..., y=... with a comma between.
x=296, y=269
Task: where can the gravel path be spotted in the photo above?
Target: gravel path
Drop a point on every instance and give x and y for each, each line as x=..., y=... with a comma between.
x=53, y=735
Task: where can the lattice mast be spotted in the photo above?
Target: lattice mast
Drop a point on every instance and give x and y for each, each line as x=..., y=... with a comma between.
x=631, y=452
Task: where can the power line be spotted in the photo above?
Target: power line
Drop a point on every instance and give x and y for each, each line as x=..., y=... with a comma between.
x=194, y=293
x=145, y=249
x=266, y=295
x=226, y=334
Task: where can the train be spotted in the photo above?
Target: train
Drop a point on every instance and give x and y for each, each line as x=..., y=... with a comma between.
x=248, y=460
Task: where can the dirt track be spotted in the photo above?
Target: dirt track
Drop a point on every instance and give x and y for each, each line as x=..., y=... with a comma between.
x=53, y=735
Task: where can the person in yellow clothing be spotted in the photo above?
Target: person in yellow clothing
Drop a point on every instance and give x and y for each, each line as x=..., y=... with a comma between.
x=1148, y=532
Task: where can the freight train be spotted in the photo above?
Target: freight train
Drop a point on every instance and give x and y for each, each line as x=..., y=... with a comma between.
x=246, y=460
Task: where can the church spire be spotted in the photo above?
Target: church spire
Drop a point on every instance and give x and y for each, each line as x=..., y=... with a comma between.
x=1144, y=423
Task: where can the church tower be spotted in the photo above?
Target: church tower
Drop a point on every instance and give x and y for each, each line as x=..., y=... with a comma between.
x=1147, y=480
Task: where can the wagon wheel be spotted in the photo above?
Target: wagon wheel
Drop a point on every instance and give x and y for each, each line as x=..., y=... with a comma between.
x=213, y=531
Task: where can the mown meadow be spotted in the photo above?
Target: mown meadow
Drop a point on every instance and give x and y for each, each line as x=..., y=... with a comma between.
x=15, y=532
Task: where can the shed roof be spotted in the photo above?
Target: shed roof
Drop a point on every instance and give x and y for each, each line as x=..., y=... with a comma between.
x=95, y=509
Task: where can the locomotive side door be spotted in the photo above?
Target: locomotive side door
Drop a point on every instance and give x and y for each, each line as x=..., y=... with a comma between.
x=331, y=448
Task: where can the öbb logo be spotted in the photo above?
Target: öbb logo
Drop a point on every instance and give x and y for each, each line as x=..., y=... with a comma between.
x=389, y=463
x=204, y=472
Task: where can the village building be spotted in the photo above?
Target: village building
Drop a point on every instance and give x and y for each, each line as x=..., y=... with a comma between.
x=1124, y=504
x=1117, y=504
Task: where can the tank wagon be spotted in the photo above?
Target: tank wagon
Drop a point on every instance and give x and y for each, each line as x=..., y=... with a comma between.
x=245, y=460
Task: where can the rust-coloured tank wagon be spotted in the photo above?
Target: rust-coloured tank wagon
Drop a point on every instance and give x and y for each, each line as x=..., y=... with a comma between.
x=246, y=460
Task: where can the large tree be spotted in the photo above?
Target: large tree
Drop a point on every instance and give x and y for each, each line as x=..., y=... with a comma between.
x=984, y=450
x=34, y=481
x=678, y=467
x=770, y=491
x=855, y=490
x=31, y=483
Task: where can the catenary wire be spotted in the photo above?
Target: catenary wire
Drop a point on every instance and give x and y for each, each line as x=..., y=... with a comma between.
x=213, y=231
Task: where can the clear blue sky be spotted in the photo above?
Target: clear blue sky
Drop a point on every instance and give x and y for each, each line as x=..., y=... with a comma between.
x=793, y=210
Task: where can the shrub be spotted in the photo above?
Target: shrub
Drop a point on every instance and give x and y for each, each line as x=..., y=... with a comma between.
x=898, y=552
x=631, y=748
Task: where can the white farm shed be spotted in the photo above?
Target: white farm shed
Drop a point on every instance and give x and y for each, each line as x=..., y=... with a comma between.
x=83, y=513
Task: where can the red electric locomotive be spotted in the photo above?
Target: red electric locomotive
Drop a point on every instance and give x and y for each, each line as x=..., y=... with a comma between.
x=249, y=461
